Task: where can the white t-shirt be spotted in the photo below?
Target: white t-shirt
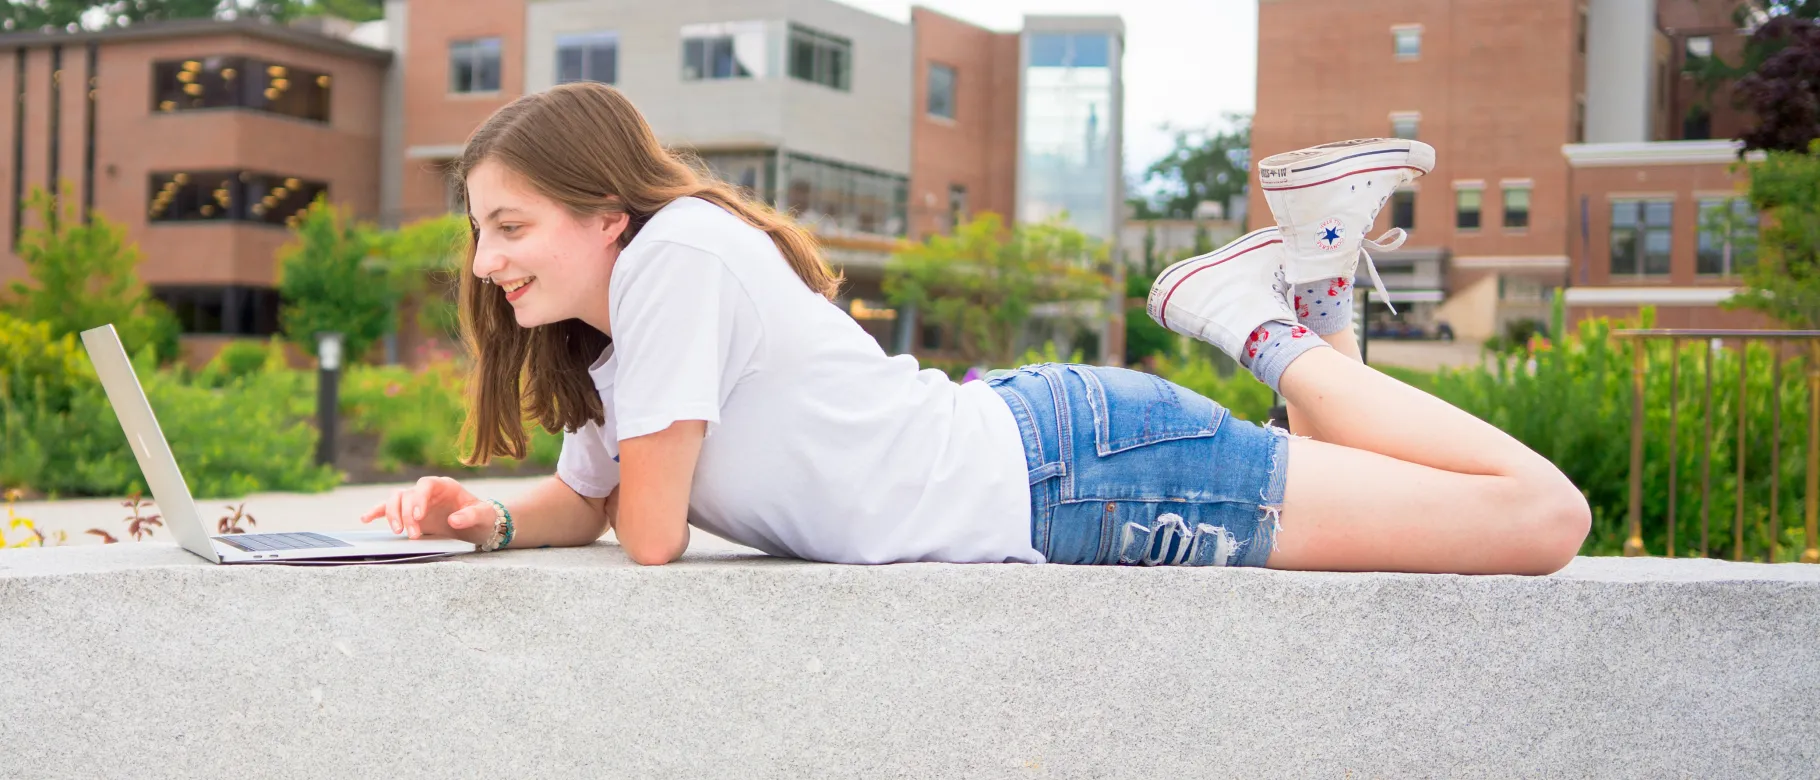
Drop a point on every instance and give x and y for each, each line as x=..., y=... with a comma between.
x=820, y=446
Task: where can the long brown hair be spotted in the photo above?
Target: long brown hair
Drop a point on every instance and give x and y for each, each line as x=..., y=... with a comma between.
x=584, y=146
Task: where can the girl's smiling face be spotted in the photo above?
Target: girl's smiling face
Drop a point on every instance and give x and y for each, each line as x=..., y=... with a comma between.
x=551, y=264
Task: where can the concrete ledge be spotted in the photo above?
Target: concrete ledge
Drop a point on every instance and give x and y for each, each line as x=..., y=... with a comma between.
x=136, y=660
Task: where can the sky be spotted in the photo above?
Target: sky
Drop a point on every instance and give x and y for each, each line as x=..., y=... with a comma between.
x=1187, y=62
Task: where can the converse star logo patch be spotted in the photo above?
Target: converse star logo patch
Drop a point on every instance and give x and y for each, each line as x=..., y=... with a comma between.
x=1328, y=236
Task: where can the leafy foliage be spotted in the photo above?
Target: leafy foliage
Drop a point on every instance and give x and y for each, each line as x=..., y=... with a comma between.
x=1570, y=401
x=1785, y=281
x=984, y=281
x=1204, y=165
x=333, y=277
x=85, y=275
x=58, y=434
x=423, y=259
x=72, y=15
x=1783, y=91
x=418, y=414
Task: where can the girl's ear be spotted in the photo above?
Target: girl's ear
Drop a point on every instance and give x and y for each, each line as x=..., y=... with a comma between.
x=615, y=226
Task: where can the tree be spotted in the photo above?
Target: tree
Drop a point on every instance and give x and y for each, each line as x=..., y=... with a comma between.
x=1205, y=165
x=983, y=281
x=421, y=259
x=1783, y=92
x=1785, y=281
x=332, y=278
x=71, y=15
x=1782, y=98
x=84, y=275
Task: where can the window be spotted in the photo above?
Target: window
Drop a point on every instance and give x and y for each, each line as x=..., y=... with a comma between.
x=233, y=310
x=1728, y=236
x=1403, y=209
x=240, y=82
x=1404, y=125
x=1408, y=42
x=238, y=196
x=1070, y=50
x=835, y=197
x=941, y=90
x=1580, y=29
x=821, y=58
x=1699, y=47
x=726, y=50
x=957, y=205
x=474, y=65
x=587, y=57
x=754, y=172
x=1467, y=201
x=1641, y=236
x=1516, y=207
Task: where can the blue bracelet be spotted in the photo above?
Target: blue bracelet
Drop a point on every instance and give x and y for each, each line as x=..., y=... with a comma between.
x=505, y=515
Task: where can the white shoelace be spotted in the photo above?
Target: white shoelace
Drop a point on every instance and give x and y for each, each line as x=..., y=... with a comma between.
x=1388, y=242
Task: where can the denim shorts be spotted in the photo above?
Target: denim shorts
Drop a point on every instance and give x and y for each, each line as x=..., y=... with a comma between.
x=1127, y=468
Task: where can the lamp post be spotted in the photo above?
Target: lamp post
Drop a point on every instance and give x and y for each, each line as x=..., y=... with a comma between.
x=328, y=381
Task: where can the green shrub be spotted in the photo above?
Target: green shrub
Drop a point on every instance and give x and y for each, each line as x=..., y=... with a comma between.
x=1571, y=402
x=1239, y=392
x=238, y=359
x=418, y=415
x=59, y=435
x=84, y=274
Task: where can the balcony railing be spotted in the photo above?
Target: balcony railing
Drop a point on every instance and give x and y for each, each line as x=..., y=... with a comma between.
x=1799, y=349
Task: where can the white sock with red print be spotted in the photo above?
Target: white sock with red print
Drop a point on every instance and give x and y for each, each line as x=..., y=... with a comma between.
x=1325, y=307
x=1273, y=346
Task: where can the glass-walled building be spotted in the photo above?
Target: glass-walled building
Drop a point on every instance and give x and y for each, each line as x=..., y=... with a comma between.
x=1071, y=128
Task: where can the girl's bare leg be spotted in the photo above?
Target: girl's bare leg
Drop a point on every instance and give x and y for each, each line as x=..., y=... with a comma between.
x=1402, y=481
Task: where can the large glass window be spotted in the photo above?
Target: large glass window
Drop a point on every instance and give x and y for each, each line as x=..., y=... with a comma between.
x=239, y=196
x=941, y=91
x=240, y=82
x=234, y=310
x=822, y=58
x=474, y=65
x=1641, y=237
x=835, y=197
x=723, y=50
x=587, y=57
x=1516, y=207
x=1066, y=141
x=755, y=172
x=1728, y=236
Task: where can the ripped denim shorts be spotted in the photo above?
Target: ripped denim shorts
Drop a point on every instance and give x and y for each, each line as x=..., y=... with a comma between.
x=1127, y=468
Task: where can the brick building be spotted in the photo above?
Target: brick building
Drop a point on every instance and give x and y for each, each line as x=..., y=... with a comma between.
x=202, y=139
x=871, y=130
x=1572, y=154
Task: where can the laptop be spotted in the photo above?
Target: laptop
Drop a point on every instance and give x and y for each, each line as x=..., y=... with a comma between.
x=172, y=494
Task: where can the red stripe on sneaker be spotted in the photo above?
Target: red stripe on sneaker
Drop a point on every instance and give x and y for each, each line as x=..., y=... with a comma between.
x=1344, y=175
x=1164, y=309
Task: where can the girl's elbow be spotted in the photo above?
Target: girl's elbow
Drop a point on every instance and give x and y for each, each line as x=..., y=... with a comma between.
x=656, y=553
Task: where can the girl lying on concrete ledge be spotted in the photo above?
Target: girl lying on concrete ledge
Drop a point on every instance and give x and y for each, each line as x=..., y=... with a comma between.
x=684, y=340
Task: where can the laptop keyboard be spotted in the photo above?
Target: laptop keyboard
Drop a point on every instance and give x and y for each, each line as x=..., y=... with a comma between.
x=270, y=542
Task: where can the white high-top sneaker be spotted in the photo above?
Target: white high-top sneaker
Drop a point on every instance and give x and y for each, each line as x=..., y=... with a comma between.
x=1222, y=296
x=1325, y=197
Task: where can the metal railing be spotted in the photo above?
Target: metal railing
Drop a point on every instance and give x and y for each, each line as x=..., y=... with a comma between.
x=1779, y=344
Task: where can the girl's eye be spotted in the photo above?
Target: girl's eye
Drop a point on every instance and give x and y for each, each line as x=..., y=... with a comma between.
x=508, y=229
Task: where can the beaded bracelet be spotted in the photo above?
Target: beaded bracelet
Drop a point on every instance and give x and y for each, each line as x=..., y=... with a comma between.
x=502, y=527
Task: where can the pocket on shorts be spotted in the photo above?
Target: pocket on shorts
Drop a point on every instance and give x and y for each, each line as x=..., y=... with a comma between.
x=1132, y=409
